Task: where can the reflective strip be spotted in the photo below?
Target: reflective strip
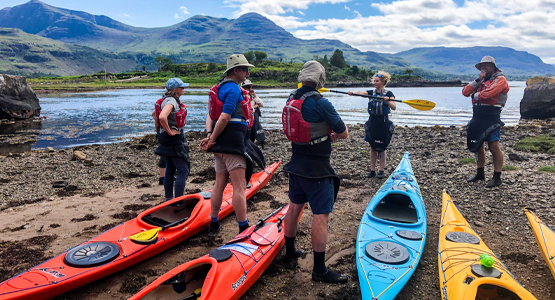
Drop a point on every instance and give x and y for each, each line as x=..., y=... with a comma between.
x=239, y=120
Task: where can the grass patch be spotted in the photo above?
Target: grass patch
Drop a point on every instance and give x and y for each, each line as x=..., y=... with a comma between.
x=398, y=157
x=509, y=168
x=542, y=143
x=364, y=152
x=467, y=161
x=547, y=169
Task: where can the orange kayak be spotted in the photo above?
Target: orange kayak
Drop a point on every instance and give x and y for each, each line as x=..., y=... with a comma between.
x=113, y=250
x=227, y=272
x=545, y=237
x=468, y=269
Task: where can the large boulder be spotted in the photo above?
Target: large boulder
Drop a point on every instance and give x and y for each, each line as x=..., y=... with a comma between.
x=538, y=101
x=17, y=99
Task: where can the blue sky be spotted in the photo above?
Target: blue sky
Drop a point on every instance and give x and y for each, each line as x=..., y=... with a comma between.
x=385, y=26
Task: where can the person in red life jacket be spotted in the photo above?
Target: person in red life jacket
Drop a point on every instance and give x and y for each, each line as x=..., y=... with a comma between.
x=256, y=133
x=489, y=95
x=311, y=123
x=229, y=116
x=171, y=115
x=378, y=128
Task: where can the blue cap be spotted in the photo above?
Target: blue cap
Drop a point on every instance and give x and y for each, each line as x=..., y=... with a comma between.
x=174, y=83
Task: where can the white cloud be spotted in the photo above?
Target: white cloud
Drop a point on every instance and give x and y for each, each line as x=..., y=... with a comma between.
x=527, y=25
x=126, y=15
x=176, y=16
x=184, y=10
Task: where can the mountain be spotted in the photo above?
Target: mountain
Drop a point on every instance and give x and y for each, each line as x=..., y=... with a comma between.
x=199, y=38
x=462, y=60
x=209, y=39
x=27, y=54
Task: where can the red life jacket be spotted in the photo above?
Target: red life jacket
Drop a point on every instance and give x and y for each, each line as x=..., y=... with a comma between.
x=180, y=116
x=296, y=128
x=216, y=106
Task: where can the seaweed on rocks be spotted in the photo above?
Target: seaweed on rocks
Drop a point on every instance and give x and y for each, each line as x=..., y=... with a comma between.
x=132, y=284
x=15, y=257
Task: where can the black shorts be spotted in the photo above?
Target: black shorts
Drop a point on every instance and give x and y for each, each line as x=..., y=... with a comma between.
x=319, y=193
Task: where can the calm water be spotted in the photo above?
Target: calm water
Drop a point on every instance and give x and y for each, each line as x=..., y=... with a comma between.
x=110, y=116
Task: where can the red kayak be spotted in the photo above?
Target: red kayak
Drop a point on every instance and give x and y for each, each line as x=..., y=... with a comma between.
x=227, y=272
x=150, y=233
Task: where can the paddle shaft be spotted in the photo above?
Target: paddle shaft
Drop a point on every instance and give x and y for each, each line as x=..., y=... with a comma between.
x=365, y=96
x=173, y=224
x=261, y=222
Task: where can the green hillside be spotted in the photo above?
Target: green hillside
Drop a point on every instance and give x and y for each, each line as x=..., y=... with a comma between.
x=462, y=60
x=27, y=54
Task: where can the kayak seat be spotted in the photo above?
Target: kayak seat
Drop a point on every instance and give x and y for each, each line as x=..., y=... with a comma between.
x=396, y=208
x=155, y=221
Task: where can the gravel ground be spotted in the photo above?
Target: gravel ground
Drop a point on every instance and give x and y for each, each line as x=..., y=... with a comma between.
x=37, y=180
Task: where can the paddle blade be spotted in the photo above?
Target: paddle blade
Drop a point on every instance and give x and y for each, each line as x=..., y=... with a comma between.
x=243, y=235
x=420, y=104
x=266, y=235
x=146, y=236
x=322, y=90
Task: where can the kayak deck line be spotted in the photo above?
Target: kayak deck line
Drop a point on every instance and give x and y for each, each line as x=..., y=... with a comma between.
x=463, y=275
x=182, y=218
x=545, y=230
x=399, y=191
x=234, y=266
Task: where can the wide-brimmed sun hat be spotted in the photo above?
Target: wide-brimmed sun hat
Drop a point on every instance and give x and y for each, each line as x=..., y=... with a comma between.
x=237, y=60
x=174, y=83
x=486, y=59
x=247, y=82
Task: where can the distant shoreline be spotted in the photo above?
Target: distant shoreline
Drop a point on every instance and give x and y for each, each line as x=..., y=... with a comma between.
x=64, y=88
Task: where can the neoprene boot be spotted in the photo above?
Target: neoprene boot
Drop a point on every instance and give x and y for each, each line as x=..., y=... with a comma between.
x=371, y=174
x=495, y=181
x=479, y=176
x=380, y=175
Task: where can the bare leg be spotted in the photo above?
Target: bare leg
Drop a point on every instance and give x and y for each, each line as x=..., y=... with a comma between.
x=162, y=172
x=481, y=156
x=497, y=155
x=373, y=158
x=218, y=194
x=382, y=160
x=239, y=200
x=292, y=218
x=320, y=232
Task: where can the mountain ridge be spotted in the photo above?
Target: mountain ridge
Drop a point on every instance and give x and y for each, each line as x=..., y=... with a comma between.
x=209, y=39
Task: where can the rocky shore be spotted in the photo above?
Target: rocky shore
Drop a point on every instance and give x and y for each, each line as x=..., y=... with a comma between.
x=50, y=203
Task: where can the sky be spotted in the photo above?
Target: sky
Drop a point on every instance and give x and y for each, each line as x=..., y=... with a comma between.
x=387, y=26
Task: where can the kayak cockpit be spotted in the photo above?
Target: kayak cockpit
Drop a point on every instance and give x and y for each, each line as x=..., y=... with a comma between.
x=396, y=207
x=494, y=292
x=184, y=285
x=171, y=213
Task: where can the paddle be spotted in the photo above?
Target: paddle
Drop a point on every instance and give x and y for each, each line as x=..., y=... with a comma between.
x=253, y=228
x=267, y=234
x=193, y=295
x=416, y=103
x=151, y=234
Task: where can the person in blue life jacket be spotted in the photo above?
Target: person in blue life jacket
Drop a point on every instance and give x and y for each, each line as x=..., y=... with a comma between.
x=311, y=123
x=229, y=116
x=378, y=128
x=170, y=115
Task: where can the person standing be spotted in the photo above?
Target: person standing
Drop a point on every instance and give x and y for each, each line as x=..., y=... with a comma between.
x=378, y=128
x=256, y=132
x=489, y=95
x=171, y=116
x=230, y=114
x=311, y=123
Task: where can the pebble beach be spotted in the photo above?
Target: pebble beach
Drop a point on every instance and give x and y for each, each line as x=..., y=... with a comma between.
x=50, y=201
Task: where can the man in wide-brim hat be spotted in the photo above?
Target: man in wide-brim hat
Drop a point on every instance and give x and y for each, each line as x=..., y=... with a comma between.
x=226, y=124
x=489, y=95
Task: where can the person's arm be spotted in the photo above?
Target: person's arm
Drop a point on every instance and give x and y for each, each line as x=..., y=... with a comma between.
x=358, y=93
x=471, y=87
x=210, y=140
x=328, y=112
x=155, y=123
x=164, y=120
x=388, y=97
x=492, y=91
x=258, y=102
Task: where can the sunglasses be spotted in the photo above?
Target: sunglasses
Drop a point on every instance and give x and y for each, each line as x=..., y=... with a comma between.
x=379, y=75
x=245, y=69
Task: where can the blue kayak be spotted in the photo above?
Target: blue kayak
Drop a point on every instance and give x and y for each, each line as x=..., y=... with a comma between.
x=391, y=235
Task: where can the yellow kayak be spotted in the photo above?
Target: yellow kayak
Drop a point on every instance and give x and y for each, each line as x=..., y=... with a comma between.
x=545, y=237
x=465, y=273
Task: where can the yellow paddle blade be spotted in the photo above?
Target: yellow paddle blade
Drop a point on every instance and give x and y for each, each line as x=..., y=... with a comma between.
x=146, y=236
x=299, y=85
x=323, y=90
x=420, y=104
